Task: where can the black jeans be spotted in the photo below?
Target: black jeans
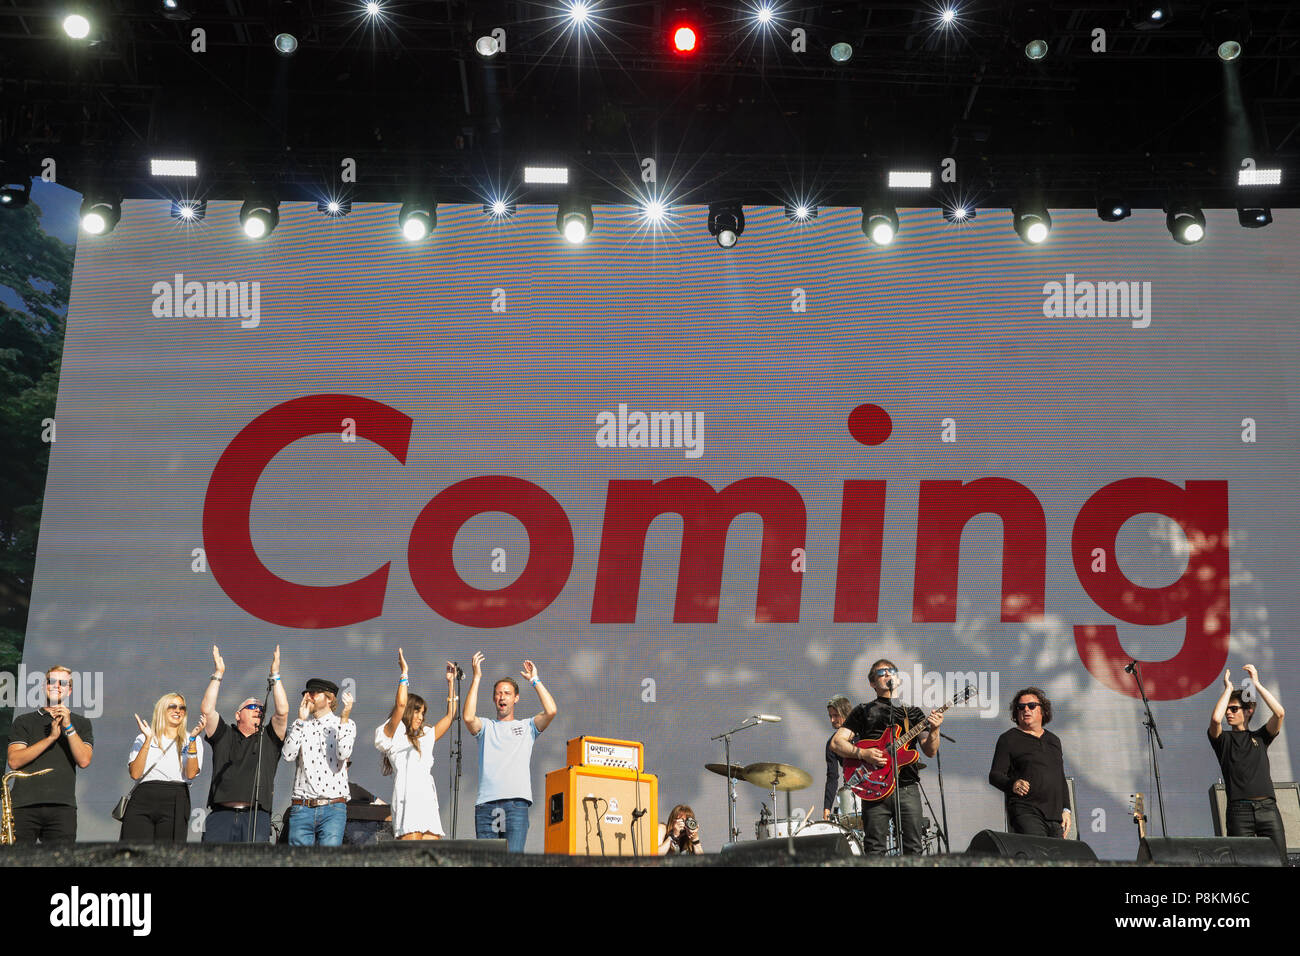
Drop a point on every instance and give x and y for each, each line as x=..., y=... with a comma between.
x=1031, y=822
x=1258, y=818
x=231, y=826
x=46, y=822
x=159, y=812
x=876, y=817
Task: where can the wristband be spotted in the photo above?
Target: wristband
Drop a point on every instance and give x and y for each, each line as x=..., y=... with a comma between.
x=70, y=731
x=404, y=680
x=535, y=681
x=275, y=676
x=215, y=677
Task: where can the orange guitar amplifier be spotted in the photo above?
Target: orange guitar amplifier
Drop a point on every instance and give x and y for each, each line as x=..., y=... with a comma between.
x=606, y=752
x=602, y=811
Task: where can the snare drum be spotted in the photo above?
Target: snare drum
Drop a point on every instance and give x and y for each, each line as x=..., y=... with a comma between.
x=848, y=806
x=780, y=827
x=824, y=827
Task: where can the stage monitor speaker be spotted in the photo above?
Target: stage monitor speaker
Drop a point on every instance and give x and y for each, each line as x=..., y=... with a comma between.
x=818, y=846
x=1209, y=851
x=1288, y=805
x=1016, y=846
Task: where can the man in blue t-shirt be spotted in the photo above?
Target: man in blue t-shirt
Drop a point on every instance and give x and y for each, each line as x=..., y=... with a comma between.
x=505, y=751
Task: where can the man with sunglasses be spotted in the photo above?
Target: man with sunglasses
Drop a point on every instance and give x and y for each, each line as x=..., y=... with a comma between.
x=55, y=739
x=1243, y=759
x=233, y=811
x=869, y=722
x=1029, y=767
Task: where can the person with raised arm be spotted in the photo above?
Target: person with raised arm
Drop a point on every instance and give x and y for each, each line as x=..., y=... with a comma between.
x=505, y=751
x=320, y=744
x=406, y=742
x=1243, y=761
x=164, y=761
x=235, y=753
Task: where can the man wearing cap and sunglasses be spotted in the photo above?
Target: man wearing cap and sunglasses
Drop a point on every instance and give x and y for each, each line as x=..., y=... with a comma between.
x=1243, y=759
x=320, y=743
x=235, y=752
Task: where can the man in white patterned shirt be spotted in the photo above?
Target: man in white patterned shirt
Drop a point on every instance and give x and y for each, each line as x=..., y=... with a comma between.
x=321, y=746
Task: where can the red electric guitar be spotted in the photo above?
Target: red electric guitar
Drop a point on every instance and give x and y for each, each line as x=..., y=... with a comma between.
x=875, y=783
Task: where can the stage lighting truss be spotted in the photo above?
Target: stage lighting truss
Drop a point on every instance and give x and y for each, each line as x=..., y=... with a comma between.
x=100, y=214
x=1033, y=223
x=574, y=220
x=726, y=223
x=189, y=211
x=880, y=223
x=417, y=219
x=1186, y=223
x=259, y=217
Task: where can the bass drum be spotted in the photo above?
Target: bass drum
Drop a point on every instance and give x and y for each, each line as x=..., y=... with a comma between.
x=826, y=827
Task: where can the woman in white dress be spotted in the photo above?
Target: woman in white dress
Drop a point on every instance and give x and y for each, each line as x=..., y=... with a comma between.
x=407, y=745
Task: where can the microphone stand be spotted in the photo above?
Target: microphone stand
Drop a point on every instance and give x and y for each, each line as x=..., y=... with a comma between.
x=456, y=753
x=733, y=833
x=893, y=769
x=943, y=803
x=1153, y=740
x=257, y=773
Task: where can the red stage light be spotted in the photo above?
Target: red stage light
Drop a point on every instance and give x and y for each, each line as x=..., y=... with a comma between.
x=684, y=39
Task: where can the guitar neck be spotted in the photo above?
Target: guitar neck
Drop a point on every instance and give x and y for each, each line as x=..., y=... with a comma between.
x=921, y=727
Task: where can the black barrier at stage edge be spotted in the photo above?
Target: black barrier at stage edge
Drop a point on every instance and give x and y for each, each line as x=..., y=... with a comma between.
x=1209, y=851
x=1021, y=847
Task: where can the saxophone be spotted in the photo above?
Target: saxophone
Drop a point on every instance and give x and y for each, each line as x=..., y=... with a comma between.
x=7, y=803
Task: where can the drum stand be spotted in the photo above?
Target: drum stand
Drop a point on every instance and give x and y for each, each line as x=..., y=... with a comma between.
x=732, y=830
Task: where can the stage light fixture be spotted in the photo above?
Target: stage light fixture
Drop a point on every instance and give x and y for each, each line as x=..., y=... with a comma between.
x=373, y=9
x=1254, y=217
x=948, y=16
x=901, y=179
x=76, y=26
x=1113, y=209
x=417, y=219
x=764, y=15
x=726, y=222
x=287, y=26
x=842, y=51
x=653, y=211
x=578, y=12
x=546, y=175
x=1186, y=223
x=500, y=209
x=1149, y=14
x=100, y=215
x=173, y=167
x=259, y=217
x=1259, y=177
x=685, y=38
x=573, y=219
x=1033, y=223
x=1031, y=25
x=801, y=212
x=880, y=224
x=487, y=46
x=1228, y=30
x=958, y=213
x=175, y=10
x=334, y=208
x=189, y=210
x=15, y=195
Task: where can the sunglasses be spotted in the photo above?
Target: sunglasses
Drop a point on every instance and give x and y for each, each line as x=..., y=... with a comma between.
x=253, y=707
x=176, y=707
x=882, y=671
x=58, y=683
x=1233, y=708
x=1032, y=705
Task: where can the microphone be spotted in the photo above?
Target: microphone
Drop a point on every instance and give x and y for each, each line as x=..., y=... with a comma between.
x=767, y=718
x=1130, y=666
x=460, y=674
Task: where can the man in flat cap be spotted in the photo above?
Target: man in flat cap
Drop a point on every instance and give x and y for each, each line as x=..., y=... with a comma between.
x=321, y=746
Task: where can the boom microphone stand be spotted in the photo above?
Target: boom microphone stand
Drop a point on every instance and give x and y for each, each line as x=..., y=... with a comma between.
x=456, y=753
x=732, y=831
x=257, y=773
x=893, y=769
x=1153, y=739
x=943, y=803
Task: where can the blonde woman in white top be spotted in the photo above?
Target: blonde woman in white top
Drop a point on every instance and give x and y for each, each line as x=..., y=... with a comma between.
x=163, y=759
x=407, y=745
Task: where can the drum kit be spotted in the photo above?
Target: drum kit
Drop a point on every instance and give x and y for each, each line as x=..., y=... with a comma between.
x=846, y=817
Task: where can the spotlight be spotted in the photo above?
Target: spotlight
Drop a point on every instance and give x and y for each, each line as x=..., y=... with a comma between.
x=189, y=210
x=1033, y=223
x=764, y=15
x=800, y=212
x=1031, y=25
x=286, y=43
x=334, y=208
x=76, y=26
x=1259, y=177
x=1254, y=217
x=880, y=224
x=684, y=38
x=578, y=12
x=373, y=9
x=1113, y=209
x=418, y=219
x=259, y=217
x=287, y=27
x=573, y=219
x=546, y=175
x=958, y=213
x=500, y=209
x=842, y=51
x=653, y=211
x=487, y=46
x=726, y=222
x=100, y=215
x=947, y=16
x=175, y=10
x=899, y=179
x=1186, y=223
x=1228, y=29
x=15, y=195
x=1149, y=15
x=173, y=167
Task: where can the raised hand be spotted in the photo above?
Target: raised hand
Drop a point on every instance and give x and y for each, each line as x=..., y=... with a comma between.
x=348, y=701
x=401, y=662
x=198, y=730
x=451, y=673
x=529, y=672
x=304, y=707
x=218, y=665
x=1251, y=673
x=275, y=660
x=1227, y=680
x=144, y=728
x=477, y=663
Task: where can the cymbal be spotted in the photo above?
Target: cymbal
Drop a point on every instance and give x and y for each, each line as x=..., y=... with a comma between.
x=737, y=771
x=786, y=777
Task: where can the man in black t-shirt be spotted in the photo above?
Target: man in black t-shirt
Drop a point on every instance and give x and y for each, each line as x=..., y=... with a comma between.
x=837, y=709
x=1029, y=767
x=235, y=751
x=869, y=721
x=55, y=739
x=1243, y=760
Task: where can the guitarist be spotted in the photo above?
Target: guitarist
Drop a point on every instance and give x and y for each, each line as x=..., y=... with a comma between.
x=1029, y=767
x=869, y=721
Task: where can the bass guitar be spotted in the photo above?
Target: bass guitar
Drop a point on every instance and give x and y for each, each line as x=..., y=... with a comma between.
x=875, y=783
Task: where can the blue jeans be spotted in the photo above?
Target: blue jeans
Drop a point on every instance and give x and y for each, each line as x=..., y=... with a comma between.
x=231, y=826
x=503, y=820
x=321, y=826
